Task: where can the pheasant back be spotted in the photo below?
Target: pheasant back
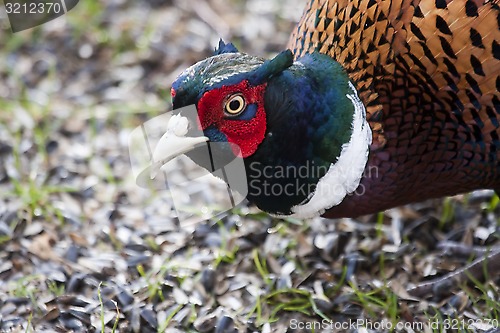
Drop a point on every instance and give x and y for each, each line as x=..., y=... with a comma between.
x=412, y=55
x=428, y=74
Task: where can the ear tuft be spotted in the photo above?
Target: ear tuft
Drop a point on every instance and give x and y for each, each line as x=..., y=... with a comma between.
x=272, y=67
x=225, y=48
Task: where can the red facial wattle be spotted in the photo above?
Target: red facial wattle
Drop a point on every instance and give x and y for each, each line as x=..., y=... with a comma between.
x=246, y=130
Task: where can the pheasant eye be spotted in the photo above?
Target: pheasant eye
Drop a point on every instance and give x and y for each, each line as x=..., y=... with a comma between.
x=234, y=105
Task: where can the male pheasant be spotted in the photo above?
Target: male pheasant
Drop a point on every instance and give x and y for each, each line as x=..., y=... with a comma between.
x=375, y=104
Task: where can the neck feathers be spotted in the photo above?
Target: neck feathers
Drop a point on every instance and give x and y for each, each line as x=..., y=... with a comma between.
x=316, y=144
x=344, y=175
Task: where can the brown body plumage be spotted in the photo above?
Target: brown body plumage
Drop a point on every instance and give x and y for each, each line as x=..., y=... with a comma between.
x=428, y=73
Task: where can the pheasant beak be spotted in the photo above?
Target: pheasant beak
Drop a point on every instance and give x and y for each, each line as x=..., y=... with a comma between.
x=173, y=143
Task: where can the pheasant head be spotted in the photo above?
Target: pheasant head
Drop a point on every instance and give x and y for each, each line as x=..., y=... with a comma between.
x=299, y=126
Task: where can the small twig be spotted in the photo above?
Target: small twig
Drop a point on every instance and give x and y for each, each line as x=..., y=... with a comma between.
x=452, y=248
x=475, y=270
